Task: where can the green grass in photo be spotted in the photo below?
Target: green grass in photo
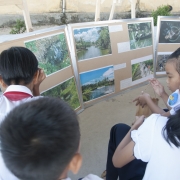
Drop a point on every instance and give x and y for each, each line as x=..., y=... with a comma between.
x=66, y=91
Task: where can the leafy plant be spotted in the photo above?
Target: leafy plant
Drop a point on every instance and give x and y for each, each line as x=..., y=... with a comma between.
x=18, y=28
x=163, y=10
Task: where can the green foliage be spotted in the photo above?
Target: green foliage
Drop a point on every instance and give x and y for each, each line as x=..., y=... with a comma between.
x=161, y=11
x=18, y=28
x=66, y=91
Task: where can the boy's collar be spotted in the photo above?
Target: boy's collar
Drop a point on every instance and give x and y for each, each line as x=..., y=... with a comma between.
x=17, y=92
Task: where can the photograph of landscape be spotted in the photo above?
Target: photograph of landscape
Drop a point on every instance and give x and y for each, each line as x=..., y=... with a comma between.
x=92, y=42
x=161, y=62
x=169, y=32
x=51, y=52
x=97, y=83
x=140, y=35
x=66, y=91
x=142, y=69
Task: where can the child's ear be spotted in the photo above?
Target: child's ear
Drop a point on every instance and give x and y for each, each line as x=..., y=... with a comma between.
x=75, y=163
x=35, y=78
x=2, y=83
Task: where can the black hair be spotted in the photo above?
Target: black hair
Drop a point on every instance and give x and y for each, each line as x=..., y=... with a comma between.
x=175, y=58
x=39, y=139
x=18, y=65
x=171, y=130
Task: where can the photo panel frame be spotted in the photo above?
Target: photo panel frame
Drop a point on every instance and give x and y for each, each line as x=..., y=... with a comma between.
x=122, y=53
x=167, y=41
x=52, y=49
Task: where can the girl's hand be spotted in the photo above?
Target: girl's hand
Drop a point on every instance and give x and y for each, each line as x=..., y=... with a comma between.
x=157, y=86
x=142, y=99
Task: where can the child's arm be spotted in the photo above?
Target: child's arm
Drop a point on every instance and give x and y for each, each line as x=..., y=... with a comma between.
x=166, y=114
x=159, y=89
x=145, y=99
x=39, y=78
x=124, y=151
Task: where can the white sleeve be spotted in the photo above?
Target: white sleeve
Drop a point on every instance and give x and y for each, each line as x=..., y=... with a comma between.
x=143, y=138
x=92, y=177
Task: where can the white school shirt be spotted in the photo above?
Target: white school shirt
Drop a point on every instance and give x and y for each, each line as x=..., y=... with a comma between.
x=174, y=102
x=89, y=177
x=150, y=146
x=5, y=107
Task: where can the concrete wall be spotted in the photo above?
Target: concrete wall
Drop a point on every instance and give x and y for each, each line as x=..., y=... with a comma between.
x=47, y=6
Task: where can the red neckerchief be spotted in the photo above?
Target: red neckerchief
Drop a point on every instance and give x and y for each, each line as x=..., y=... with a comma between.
x=16, y=96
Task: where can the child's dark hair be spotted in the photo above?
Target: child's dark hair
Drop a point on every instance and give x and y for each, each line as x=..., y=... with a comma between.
x=175, y=58
x=171, y=130
x=18, y=65
x=39, y=139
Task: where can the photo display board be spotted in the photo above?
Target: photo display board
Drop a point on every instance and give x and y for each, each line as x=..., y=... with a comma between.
x=168, y=40
x=112, y=56
x=52, y=50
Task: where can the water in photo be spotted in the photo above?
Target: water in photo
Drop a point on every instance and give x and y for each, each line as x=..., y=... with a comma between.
x=140, y=35
x=66, y=91
x=92, y=42
x=97, y=83
x=142, y=69
x=51, y=52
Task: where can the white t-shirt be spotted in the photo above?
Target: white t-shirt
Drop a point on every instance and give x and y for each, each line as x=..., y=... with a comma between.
x=5, y=107
x=174, y=102
x=150, y=146
x=89, y=177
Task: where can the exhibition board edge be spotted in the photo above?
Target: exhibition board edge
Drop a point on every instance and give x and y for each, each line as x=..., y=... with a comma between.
x=157, y=38
x=74, y=58
x=8, y=38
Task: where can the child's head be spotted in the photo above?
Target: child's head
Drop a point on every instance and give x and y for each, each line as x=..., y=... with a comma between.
x=40, y=140
x=173, y=70
x=18, y=65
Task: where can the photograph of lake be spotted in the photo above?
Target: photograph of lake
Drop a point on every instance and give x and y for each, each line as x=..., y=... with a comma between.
x=142, y=69
x=66, y=91
x=169, y=32
x=92, y=42
x=161, y=62
x=51, y=52
x=140, y=35
x=97, y=83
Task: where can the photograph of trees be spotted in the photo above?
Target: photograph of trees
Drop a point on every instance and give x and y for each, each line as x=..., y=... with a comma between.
x=140, y=35
x=66, y=91
x=92, y=42
x=161, y=62
x=51, y=52
x=142, y=69
x=169, y=32
x=97, y=83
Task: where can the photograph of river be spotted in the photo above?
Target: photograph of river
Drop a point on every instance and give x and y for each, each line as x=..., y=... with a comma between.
x=66, y=91
x=140, y=35
x=97, y=83
x=142, y=69
x=92, y=42
x=51, y=52
x=169, y=32
x=161, y=62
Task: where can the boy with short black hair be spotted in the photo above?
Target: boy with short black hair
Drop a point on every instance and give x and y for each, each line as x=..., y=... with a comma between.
x=40, y=140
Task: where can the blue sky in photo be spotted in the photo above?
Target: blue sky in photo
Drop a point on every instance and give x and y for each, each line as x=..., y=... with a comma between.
x=88, y=34
x=93, y=77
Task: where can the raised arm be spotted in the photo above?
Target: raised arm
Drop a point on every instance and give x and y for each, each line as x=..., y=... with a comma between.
x=39, y=78
x=124, y=151
x=159, y=89
x=145, y=99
